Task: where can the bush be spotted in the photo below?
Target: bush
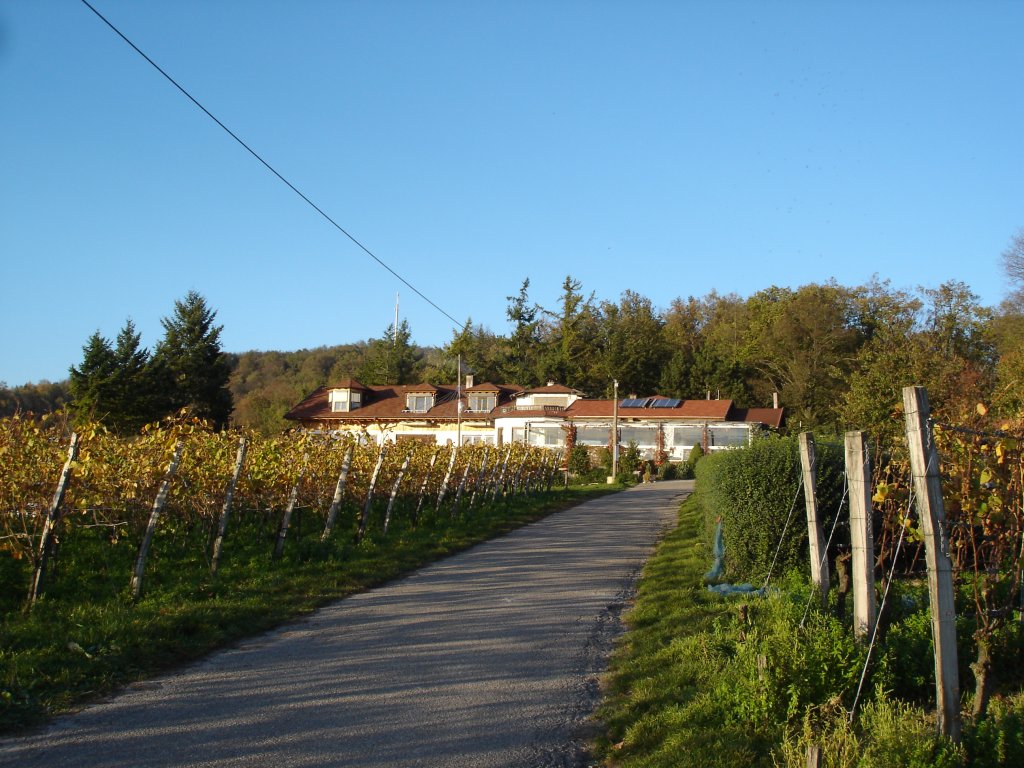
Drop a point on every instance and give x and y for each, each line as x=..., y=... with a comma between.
x=579, y=460
x=753, y=491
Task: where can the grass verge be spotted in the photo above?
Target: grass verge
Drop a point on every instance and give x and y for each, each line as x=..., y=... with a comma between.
x=86, y=637
x=747, y=681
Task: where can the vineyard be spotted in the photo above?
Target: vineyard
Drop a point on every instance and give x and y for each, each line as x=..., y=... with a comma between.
x=118, y=556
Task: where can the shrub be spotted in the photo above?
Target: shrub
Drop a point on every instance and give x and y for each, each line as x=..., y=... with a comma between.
x=753, y=490
x=579, y=460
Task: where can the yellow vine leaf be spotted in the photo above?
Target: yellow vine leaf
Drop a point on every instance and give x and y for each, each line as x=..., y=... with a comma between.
x=982, y=410
x=881, y=493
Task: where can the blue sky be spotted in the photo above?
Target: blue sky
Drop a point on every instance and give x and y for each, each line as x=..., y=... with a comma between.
x=671, y=148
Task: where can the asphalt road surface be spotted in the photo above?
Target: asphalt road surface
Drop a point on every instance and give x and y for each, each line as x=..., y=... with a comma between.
x=487, y=658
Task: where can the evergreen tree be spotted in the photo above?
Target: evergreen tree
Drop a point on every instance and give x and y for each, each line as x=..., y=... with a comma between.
x=392, y=359
x=189, y=367
x=520, y=364
x=92, y=383
x=133, y=398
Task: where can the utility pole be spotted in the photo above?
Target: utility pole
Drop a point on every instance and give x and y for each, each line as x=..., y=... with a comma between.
x=615, y=429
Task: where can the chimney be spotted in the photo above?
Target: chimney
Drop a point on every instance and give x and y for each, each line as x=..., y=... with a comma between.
x=551, y=383
x=469, y=381
x=775, y=400
x=709, y=394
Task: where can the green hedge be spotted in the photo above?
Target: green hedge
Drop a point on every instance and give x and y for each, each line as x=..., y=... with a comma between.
x=752, y=491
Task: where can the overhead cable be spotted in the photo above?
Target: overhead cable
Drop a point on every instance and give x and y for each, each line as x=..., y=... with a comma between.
x=269, y=167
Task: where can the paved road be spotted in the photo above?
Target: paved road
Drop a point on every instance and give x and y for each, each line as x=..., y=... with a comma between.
x=488, y=658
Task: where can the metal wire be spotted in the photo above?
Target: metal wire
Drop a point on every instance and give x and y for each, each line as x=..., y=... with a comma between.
x=782, y=537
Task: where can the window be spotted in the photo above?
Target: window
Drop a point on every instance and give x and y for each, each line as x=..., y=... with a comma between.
x=482, y=402
x=596, y=436
x=540, y=436
x=729, y=437
x=419, y=403
x=478, y=439
x=687, y=437
x=644, y=437
x=342, y=400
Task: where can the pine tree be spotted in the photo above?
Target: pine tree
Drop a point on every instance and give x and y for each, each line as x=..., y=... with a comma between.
x=92, y=383
x=392, y=359
x=189, y=366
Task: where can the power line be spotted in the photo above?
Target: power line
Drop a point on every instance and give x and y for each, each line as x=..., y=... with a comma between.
x=269, y=167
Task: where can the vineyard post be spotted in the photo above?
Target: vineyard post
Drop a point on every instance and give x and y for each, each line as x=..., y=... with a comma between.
x=924, y=465
x=394, y=491
x=50, y=526
x=286, y=518
x=481, y=477
x=858, y=478
x=154, y=517
x=513, y=490
x=368, y=504
x=499, y=481
x=447, y=479
x=339, y=491
x=222, y=528
x=816, y=540
x=462, y=487
x=423, y=487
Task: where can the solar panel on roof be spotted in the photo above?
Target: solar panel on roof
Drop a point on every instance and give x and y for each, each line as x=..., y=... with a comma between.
x=634, y=402
x=666, y=402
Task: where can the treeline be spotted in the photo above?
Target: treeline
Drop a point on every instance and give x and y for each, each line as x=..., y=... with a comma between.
x=836, y=356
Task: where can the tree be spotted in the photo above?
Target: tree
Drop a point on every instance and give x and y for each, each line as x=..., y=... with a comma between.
x=571, y=341
x=190, y=368
x=92, y=382
x=392, y=359
x=635, y=351
x=520, y=365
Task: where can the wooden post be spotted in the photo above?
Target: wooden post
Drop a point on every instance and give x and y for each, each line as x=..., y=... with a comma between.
x=222, y=527
x=924, y=465
x=286, y=519
x=819, y=559
x=813, y=756
x=339, y=491
x=50, y=526
x=154, y=517
x=858, y=478
x=461, y=488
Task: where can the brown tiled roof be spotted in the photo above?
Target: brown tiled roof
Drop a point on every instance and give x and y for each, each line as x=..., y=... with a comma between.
x=388, y=403
x=704, y=410
x=488, y=387
x=553, y=389
x=770, y=417
x=350, y=384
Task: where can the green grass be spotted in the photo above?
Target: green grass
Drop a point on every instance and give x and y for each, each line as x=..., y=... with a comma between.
x=86, y=637
x=741, y=681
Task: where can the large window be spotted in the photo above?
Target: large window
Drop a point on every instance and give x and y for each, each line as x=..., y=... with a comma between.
x=644, y=437
x=550, y=437
x=478, y=439
x=344, y=400
x=482, y=402
x=594, y=436
x=687, y=437
x=729, y=437
x=419, y=403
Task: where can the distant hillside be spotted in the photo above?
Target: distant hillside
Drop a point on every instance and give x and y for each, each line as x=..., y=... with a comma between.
x=265, y=385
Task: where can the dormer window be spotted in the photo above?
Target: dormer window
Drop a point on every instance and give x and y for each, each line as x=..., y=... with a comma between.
x=483, y=402
x=344, y=400
x=419, y=402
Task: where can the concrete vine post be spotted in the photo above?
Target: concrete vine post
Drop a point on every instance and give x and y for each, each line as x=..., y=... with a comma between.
x=50, y=526
x=154, y=518
x=394, y=491
x=368, y=504
x=443, y=490
x=924, y=465
x=339, y=492
x=222, y=527
x=815, y=537
x=286, y=518
x=423, y=487
x=858, y=478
